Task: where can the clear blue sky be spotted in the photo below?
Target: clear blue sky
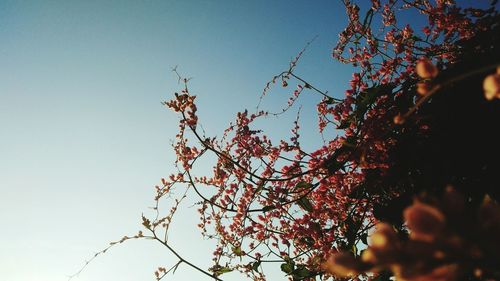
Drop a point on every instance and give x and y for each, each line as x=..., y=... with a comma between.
x=83, y=134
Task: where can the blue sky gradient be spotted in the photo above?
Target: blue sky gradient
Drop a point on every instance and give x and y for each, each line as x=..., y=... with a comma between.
x=84, y=137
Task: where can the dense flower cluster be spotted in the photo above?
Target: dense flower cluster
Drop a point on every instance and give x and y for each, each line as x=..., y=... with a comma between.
x=271, y=201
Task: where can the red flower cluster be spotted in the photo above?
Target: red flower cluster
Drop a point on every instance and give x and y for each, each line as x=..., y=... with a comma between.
x=268, y=201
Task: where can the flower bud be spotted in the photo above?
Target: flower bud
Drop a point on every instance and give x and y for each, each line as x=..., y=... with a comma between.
x=425, y=69
x=399, y=119
x=425, y=221
x=489, y=216
x=368, y=256
x=384, y=237
x=342, y=265
x=491, y=86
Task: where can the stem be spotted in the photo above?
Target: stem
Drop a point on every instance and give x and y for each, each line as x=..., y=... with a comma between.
x=182, y=260
x=312, y=87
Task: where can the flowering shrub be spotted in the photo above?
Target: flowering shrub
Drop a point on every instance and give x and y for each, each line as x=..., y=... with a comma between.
x=269, y=201
x=413, y=121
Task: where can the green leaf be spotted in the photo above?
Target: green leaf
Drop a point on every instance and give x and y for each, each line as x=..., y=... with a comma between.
x=301, y=272
x=416, y=38
x=347, y=122
x=309, y=241
x=237, y=251
x=364, y=238
x=255, y=265
x=305, y=204
x=350, y=142
x=146, y=223
x=287, y=267
x=303, y=185
x=175, y=268
x=222, y=270
x=330, y=101
x=358, y=192
x=368, y=18
x=259, y=188
x=344, y=125
x=268, y=208
x=368, y=97
x=364, y=100
x=351, y=231
x=333, y=165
